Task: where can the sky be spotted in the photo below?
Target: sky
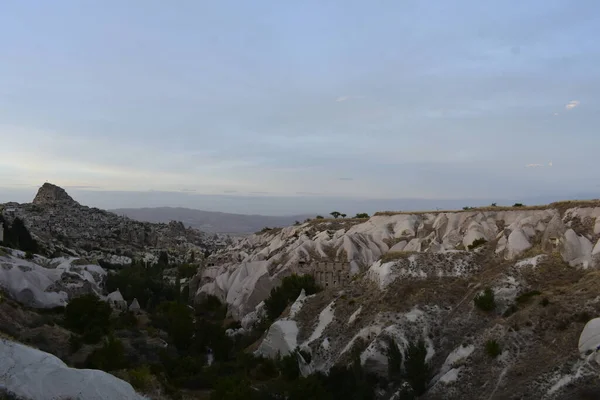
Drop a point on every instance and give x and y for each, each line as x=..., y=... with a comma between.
x=278, y=107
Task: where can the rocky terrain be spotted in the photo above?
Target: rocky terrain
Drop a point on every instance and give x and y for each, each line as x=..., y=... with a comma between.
x=60, y=224
x=415, y=277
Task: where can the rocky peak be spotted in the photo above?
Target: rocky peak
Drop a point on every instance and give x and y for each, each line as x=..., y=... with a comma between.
x=50, y=194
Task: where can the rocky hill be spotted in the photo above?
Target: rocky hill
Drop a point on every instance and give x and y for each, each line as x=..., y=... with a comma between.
x=61, y=224
x=414, y=277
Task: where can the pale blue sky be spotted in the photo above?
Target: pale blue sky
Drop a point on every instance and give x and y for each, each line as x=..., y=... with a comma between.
x=345, y=99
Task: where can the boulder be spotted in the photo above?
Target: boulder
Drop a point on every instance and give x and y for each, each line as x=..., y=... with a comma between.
x=517, y=243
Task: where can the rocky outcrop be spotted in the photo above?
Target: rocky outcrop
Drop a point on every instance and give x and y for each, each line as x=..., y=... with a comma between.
x=54, y=196
x=244, y=273
x=61, y=224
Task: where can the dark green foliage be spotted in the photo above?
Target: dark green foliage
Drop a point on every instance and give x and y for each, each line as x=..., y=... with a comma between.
x=17, y=236
x=319, y=217
x=493, y=348
x=88, y=316
x=544, y=302
x=476, y=243
x=296, y=223
x=485, y=301
x=163, y=259
x=361, y=215
x=394, y=357
x=467, y=208
x=143, y=283
x=29, y=255
x=518, y=205
x=110, y=357
x=187, y=270
x=494, y=205
x=125, y=320
x=287, y=292
x=525, y=297
x=335, y=214
x=75, y=343
x=417, y=370
x=177, y=320
x=288, y=365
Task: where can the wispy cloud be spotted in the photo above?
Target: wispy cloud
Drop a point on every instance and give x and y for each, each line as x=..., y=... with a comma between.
x=572, y=104
x=538, y=165
x=346, y=98
x=346, y=179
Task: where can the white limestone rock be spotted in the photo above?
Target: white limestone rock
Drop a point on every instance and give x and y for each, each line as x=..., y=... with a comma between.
x=517, y=243
x=281, y=339
x=33, y=374
x=577, y=250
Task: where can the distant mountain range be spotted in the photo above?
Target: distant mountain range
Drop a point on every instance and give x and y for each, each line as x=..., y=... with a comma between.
x=209, y=221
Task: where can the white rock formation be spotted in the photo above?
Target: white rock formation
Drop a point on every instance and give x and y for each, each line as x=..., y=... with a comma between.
x=266, y=258
x=32, y=374
x=116, y=300
x=48, y=285
x=589, y=340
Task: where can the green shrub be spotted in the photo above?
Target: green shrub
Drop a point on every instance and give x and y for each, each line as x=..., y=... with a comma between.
x=518, y=205
x=110, y=357
x=319, y=217
x=525, y=297
x=187, y=270
x=493, y=348
x=140, y=378
x=361, y=215
x=88, y=316
x=485, y=301
x=417, y=370
x=476, y=243
x=29, y=255
x=394, y=357
x=287, y=292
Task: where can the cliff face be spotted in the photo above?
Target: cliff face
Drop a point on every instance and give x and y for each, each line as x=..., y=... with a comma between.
x=415, y=278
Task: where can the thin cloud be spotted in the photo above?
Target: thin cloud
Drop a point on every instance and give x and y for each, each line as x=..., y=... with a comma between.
x=538, y=165
x=572, y=104
x=346, y=179
x=346, y=98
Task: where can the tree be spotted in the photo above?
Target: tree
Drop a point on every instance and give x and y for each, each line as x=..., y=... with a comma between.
x=343, y=215
x=88, y=316
x=290, y=289
x=486, y=300
x=319, y=217
x=177, y=319
x=518, y=205
x=163, y=258
x=110, y=357
x=361, y=215
x=417, y=370
x=18, y=236
x=493, y=205
x=335, y=214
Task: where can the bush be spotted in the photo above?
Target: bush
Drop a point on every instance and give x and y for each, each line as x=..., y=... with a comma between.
x=544, y=302
x=140, y=378
x=493, y=348
x=518, y=205
x=361, y=215
x=177, y=320
x=476, y=243
x=525, y=297
x=110, y=357
x=29, y=255
x=485, y=301
x=88, y=316
x=287, y=292
x=320, y=217
x=187, y=270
